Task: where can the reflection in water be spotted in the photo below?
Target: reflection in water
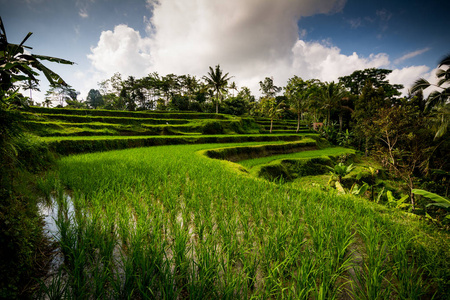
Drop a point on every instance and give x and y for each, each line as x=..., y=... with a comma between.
x=51, y=211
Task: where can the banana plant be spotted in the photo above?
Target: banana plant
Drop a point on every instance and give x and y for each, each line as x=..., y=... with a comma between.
x=340, y=170
x=439, y=201
x=397, y=203
x=354, y=190
x=17, y=65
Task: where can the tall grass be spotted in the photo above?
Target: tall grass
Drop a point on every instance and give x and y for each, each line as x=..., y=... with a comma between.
x=167, y=223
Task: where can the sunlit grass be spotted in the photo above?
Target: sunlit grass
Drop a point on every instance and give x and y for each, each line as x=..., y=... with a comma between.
x=335, y=151
x=167, y=222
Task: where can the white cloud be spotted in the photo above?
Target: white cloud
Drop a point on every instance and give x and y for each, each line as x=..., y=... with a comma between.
x=250, y=39
x=122, y=50
x=407, y=76
x=245, y=36
x=83, y=13
x=411, y=55
x=324, y=62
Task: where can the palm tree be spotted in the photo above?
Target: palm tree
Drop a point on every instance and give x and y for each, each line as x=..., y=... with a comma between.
x=271, y=109
x=47, y=101
x=298, y=93
x=332, y=93
x=268, y=88
x=31, y=86
x=440, y=98
x=442, y=95
x=218, y=81
x=233, y=86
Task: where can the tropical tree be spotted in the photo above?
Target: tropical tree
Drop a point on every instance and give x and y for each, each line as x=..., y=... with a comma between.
x=331, y=94
x=269, y=108
x=218, y=82
x=356, y=81
x=19, y=66
x=299, y=93
x=31, y=86
x=94, y=98
x=61, y=93
x=340, y=170
x=47, y=102
x=439, y=99
x=268, y=88
x=233, y=87
x=367, y=106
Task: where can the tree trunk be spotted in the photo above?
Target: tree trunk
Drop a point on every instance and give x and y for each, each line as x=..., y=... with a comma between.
x=298, y=122
x=329, y=117
x=217, y=104
x=366, y=146
x=271, y=123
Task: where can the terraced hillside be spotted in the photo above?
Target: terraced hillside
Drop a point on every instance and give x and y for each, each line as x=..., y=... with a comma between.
x=77, y=130
x=224, y=217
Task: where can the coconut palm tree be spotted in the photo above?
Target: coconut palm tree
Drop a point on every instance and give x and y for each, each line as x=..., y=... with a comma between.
x=271, y=109
x=331, y=94
x=442, y=94
x=439, y=99
x=31, y=86
x=218, y=81
x=299, y=93
x=233, y=87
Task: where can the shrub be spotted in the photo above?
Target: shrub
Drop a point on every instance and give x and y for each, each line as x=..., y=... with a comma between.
x=212, y=127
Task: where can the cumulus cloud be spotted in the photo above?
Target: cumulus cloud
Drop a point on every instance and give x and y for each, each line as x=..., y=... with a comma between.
x=250, y=39
x=318, y=60
x=122, y=50
x=407, y=76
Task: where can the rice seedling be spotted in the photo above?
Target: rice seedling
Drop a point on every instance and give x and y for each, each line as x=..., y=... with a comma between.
x=168, y=223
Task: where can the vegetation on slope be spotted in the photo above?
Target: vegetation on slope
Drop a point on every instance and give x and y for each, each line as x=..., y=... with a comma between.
x=167, y=222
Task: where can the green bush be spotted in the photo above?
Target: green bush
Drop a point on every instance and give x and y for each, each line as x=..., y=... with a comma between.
x=34, y=155
x=212, y=127
x=289, y=169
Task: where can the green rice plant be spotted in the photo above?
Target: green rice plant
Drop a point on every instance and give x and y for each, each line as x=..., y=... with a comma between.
x=169, y=223
x=205, y=273
x=371, y=276
x=304, y=276
x=180, y=249
x=407, y=279
x=54, y=289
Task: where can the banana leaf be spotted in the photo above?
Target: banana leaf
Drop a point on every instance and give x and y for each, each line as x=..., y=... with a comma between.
x=439, y=201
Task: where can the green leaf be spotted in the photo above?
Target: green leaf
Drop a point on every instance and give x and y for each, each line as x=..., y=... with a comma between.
x=402, y=199
x=439, y=200
x=53, y=59
x=420, y=84
x=380, y=195
x=430, y=195
x=390, y=196
x=363, y=188
x=340, y=188
x=443, y=205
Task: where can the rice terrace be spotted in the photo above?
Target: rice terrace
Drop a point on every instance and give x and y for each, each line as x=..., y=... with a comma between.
x=318, y=190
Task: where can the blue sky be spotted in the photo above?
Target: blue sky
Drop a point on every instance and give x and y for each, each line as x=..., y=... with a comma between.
x=250, y=39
